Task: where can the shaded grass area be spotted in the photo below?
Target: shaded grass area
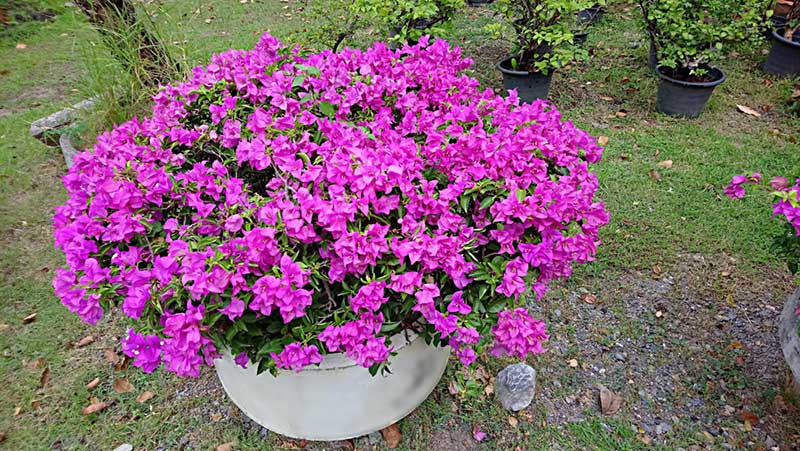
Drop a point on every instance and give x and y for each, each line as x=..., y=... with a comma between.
x=653, y=223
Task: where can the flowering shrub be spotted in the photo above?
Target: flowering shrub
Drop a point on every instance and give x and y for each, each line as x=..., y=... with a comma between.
x=787, y=204
x=282, y=205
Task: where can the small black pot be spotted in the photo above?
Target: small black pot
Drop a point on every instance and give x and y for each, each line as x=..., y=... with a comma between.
x=479, y=2
x=529, y=86
x=684, y=98
x=579, y=37
x=590, y=15
x=784, y=57
x=774, y=23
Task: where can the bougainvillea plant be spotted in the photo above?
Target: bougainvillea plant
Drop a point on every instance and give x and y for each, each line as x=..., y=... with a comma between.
x=787, y=205
x=281, y=205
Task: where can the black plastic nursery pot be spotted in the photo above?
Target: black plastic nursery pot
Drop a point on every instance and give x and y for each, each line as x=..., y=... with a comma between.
x=529, y=86
x=590, y=15
x=479, y=2
x=579, y=37
x=774, y=23
x=784, y=57
x=684, y=98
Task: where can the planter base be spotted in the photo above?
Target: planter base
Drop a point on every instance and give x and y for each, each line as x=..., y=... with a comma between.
x=788, y=337
x=685, y=99
x=530, y=87
x=337, y=400
x=784, y=56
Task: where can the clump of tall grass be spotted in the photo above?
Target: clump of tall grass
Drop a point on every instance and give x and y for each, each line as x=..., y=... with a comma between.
x=127, y=61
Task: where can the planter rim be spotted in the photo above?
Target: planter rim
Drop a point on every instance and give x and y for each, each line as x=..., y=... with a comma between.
x=779, y=37
x=339, y=360
x=720, y=78
x=519, y=73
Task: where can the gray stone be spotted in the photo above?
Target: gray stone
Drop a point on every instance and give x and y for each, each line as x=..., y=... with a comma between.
x=46, y=129
x=787, y=333
x=663, y=428
x=67, y=149
x=515, y=386
x=374, y=438
x=125, y=447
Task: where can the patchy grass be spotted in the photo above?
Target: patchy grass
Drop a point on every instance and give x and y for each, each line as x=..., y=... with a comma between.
x=681, y=325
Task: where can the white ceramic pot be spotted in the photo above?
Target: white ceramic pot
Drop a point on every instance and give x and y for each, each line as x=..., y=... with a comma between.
x=338, y=399
x=790, y=340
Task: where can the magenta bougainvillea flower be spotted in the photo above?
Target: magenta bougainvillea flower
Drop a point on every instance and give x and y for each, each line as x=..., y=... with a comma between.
x=280, y=205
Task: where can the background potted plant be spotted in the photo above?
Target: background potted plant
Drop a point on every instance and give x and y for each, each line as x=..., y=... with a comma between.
x=542, y=42
x=408, y=20
x=787, y=245
x=583, y=20
x=320, y=216
x=784, y=56
x=687, y=36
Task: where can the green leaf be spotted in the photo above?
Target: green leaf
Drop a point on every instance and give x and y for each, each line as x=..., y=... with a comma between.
x=486, y=203
x=298, y=81
x=327, y=109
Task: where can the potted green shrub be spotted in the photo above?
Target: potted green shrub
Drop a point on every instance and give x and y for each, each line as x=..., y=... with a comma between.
x=784, y=57
x=542, y=42
x=408, y=20
x=325, y=228
x=687, y=36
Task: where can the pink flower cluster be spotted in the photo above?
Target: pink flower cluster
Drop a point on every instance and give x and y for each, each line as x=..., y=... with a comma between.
x=280, y=204
x=787, y=203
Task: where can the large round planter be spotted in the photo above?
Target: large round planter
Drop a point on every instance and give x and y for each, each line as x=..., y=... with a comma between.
x=683, y=98
x=787, y=332
x=529, y=86
x=338, y=399
x=784, y=57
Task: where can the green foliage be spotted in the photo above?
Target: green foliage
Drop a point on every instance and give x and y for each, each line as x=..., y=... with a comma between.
x=688, y=34
x=408, y=20
x=339, y=21
x=542, y=37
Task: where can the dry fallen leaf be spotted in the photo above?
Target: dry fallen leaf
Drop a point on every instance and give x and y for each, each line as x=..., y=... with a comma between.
x=85, y=341
x=111, y=355
x=747, y=110
x=624, y=156
x=35, y=404
x=654, y=175
x=665, y=164
x=2, y=437
x=226, y=446
x=452, y=387
x=602, y=140
x=4, y=327
x=21, y=46
x=29, y=319
x=93, y=384
x=121, y=385
x=749, y=417
x=216, y=417
x=392, y=436
x=44, y=378
x=513, y=422
x=659, y=313
x=94, y=408
x=145, y=396
x=17, y=411
x=610, y=402
x=607, y=98
x=489, y=390
x=589, y=298
x=122, y=364
x=573, y=363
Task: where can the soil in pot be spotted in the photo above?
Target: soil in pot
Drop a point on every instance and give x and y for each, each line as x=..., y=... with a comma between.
x=684, y=95
x=784, y=56
x=530, y=86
